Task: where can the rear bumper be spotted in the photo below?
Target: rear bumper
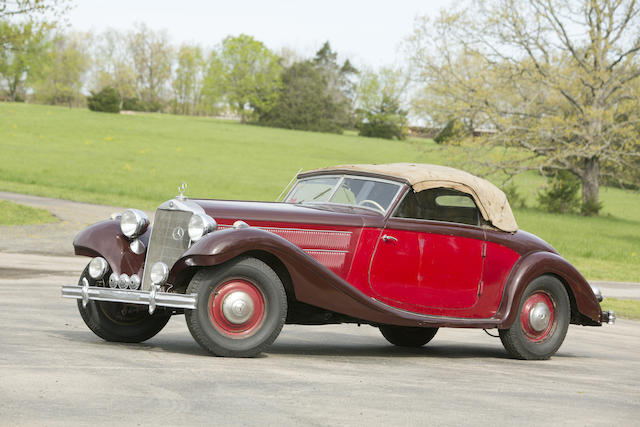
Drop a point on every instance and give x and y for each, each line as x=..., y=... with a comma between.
x=152, y=298
x=609, y=317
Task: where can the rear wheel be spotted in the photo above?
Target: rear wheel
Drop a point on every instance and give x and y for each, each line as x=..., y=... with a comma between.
x=405, y=336
x=542, y=323
x=241, y=308
x=120, y=322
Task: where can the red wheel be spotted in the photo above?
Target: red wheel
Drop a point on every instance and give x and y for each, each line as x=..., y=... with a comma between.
x=241, y=308
x=537, y=316
x=543, y=322
x=237, y=308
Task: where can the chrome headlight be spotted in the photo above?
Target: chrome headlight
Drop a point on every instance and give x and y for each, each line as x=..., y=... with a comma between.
x=98, y=267
x=159, y=273
x=133, y=223
x=200, y=225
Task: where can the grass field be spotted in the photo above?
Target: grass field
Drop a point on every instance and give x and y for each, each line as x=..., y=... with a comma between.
x=15, y=214
x=140, y=160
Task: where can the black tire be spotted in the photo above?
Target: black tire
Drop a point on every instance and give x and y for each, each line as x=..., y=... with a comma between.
x=208, y=324
x=120, y=322
x=521, y=340
x=404, y=336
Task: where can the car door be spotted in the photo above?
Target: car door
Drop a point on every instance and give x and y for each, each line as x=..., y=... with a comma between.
x=429, y=257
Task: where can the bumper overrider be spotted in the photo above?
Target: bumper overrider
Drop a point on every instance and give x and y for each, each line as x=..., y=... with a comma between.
x=608, y=316
x=153, y=298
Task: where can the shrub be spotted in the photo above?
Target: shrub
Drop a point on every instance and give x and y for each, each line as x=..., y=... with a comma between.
x=107, y=100
x=132, y=104
x=452, y=133
x=590, y=208
x=561, y=194
x=387, y=121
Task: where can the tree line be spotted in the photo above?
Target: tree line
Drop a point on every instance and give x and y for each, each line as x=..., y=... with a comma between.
x=141, y=70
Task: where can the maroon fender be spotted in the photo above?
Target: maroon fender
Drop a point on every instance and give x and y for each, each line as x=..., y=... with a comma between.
x=105, y=239
x=312, y=282
x=537, y=264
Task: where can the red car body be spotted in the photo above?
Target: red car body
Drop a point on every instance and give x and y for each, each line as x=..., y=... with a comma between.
x=344, y=263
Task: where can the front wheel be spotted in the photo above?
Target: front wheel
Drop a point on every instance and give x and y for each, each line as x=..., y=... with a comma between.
x=542, y=323
x=404, y=336
x=241, y=308
x=120, y=322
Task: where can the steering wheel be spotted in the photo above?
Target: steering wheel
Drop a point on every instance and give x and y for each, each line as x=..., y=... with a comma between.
x=372, y=202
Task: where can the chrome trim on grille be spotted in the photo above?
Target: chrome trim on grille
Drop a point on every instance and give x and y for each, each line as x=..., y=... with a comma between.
x=170, y=206
x=153, y=298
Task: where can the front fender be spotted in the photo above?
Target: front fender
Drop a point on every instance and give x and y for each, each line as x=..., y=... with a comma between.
x=537, y=264
x=105, y=239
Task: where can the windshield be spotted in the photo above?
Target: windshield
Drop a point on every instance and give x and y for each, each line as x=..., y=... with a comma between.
x=365, y=192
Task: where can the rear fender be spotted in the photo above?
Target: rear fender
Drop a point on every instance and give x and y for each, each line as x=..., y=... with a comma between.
x=585, y=307
x=105, y=239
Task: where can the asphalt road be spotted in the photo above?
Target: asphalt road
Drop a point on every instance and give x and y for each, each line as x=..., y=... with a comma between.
x=54, y=371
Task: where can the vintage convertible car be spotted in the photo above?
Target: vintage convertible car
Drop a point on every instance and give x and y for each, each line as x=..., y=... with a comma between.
x=407, y=248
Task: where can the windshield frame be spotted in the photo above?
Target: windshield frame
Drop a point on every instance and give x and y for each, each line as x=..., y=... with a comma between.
x=342, y=177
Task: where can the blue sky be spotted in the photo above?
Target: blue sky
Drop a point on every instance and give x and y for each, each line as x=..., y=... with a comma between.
x=367, y=32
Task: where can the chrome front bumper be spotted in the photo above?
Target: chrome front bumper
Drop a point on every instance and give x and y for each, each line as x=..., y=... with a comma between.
x=153, y=298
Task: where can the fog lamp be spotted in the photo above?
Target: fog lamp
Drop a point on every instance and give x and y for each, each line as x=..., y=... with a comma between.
x=159, y=273
x=97, y=268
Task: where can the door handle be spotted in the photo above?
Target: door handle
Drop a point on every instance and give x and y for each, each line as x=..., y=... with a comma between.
x=387, y=238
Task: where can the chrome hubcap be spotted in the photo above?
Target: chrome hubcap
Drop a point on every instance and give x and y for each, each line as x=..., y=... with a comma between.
x=539, y=317
x=237, y=307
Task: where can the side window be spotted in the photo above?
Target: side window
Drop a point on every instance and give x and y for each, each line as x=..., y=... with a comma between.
x=440, y=204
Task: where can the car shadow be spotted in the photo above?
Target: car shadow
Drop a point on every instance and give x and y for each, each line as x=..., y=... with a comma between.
x=178, y=344
x=386, y=350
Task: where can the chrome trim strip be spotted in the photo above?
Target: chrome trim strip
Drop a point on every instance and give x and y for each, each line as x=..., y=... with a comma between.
x=152, y=298
x=330, y=251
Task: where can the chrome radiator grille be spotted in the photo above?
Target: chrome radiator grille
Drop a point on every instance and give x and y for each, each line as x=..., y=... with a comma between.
x=169, y=240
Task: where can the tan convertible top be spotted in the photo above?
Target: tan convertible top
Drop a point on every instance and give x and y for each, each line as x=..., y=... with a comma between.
x=491, y=201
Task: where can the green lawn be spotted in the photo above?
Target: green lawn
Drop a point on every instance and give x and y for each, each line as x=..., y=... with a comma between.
x=15, y=214
x=139, y=160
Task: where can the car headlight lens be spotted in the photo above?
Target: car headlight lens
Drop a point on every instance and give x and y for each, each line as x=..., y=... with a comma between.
x=159, y=273
x=133, y=223
x=200, y=225
x=97, y=268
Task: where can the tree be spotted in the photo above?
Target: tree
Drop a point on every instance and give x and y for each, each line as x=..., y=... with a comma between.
x=378, y=98
x=20, y=60
x=187, y=81
x=65, y=65
x=213, y=84
x=113, y=66
x=553, y=78
x=304, y=102
x=36, y=12
x=251, y=74
x=151, y=54
x=340, y=80
x=32, y=8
